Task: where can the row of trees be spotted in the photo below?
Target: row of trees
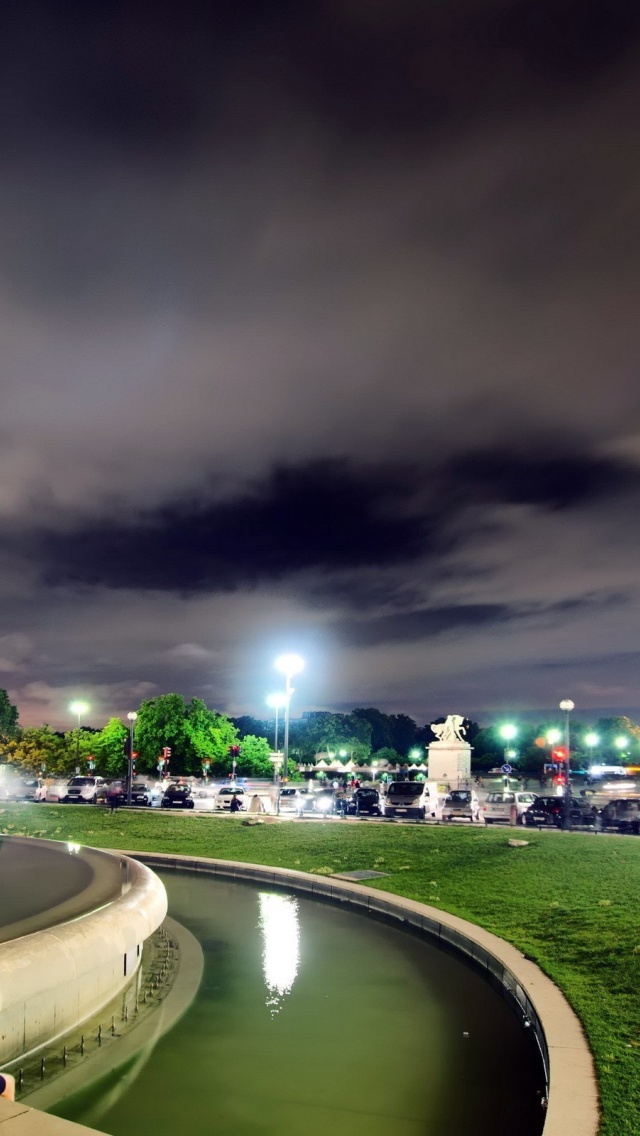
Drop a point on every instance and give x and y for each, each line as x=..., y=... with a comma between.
x=196, y=734
x=192, y=732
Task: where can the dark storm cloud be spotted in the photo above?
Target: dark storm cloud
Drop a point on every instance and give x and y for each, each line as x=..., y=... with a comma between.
x=159, y=74
x=328, y=517
x=414, y=626
x=250, y=237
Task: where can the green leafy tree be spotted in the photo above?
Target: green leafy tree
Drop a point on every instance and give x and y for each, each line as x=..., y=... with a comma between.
x=192, y=731
x=388, y=754
x=162, y=722
x=109, y=747
x=333, y=732
x=8, y=717
x=80, y=743
x=403, y=733
x=245, y=725
x=254, y=757
x=382, y=727
x=210, y=735
x=39, y=748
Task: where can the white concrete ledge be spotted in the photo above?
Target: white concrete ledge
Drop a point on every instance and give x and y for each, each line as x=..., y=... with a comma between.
x=51, y=980
x=573, y=1104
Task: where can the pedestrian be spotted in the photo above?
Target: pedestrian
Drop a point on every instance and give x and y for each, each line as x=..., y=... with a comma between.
x=235, y=805
x=256, y=805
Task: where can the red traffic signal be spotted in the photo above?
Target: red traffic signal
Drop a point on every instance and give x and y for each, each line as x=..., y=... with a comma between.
x=559, y=753
x=234, y=751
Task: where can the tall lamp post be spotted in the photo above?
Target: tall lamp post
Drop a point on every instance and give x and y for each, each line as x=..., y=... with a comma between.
x=567, y=706
x=133, y=717
x=591, y=741
x=277, y=702
x=289, y=666
x=508, y=733
x=79, y=709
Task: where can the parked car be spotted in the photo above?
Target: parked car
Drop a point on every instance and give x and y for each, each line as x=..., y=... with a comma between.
x=83, y=790
x=304, y=801
x=177, y=796
x=407, y=799
x=461, y=804
x=25, y=789
x=33, y=789
x=324, y=802
x=364, y=802
x=225, y=796
x=498, y=806
x=550, y=810
x=623, y=814
x=56, y=792
x=287, y=801
x=141, y=794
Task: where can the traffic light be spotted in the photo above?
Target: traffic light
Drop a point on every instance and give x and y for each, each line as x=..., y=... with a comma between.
x=234, y=751
x=559, y=754
x=126, y=746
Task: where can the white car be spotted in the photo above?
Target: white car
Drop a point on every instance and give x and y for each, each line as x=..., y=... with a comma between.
x=31, y=789
x=498, y=806
x=461, y=804
x=56, y=792
x=225, y=797
x=83, y=790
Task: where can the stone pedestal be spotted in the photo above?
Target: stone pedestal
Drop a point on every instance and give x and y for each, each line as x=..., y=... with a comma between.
x=450, y=762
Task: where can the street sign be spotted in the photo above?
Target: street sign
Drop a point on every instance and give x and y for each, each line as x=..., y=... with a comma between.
x=506, y=769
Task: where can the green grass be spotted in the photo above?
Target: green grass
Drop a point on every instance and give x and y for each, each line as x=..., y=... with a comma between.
x=569, y=901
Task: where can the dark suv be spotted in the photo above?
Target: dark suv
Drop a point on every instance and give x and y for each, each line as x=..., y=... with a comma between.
x=364, y=802
x=550, y=810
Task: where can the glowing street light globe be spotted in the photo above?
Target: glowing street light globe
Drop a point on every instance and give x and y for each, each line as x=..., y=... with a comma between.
x=621, y=743
x=289, y=665
x=508, y=732
x=591, y=740
x=553, y=737
x=276, y=701
x=79, y=708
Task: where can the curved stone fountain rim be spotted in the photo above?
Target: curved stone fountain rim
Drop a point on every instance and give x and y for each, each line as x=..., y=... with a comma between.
x=573, y=1102
x=573, y=1091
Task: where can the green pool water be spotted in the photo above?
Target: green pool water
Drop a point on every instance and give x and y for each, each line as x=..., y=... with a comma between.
x=318, y=1021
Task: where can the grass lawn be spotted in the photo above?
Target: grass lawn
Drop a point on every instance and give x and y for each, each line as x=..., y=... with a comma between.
x=569, y=901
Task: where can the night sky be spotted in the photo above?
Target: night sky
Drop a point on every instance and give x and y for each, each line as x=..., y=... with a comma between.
x=320, y=332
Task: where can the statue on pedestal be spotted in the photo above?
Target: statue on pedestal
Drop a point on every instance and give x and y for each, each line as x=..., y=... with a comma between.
x=450, y=731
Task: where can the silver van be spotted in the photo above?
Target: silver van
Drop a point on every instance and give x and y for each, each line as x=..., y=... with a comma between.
x=407, y=799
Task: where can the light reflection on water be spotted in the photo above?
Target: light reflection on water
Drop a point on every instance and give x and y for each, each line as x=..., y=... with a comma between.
x=366, y=1031
x=279, y=924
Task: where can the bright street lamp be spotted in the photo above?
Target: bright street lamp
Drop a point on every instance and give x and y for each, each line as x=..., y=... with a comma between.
x=79, y=709
x=591, y=740
x=133, y=717
x=277, y=702
x=289, y=666
x=508, y=733
x=621, y=743
x=553, y=737
x=567, y=706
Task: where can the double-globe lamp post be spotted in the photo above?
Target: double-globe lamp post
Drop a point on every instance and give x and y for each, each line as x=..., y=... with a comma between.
x=567, y=706
x=79, y=709
x=289, y=666
x=133, y=717
x=508, y=733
